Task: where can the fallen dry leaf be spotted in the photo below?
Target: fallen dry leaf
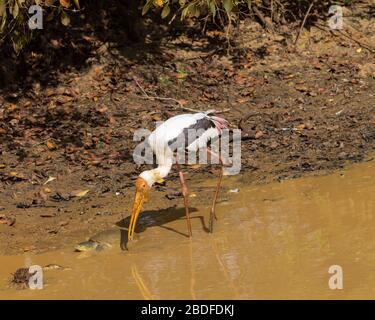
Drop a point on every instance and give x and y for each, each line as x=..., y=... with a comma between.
x=196, y=166
x=65, y=3
x=259, y=134
x=49, y=180
x=17, y=176
x=29, y=248
x=240, y=80
x=43, y=195
x=51, y=145
x=3, y=219
x=80, y=193
x=156, y=117
x=10, y=221
x=181, y=75
x=11, y=108
x=301, y=88
x=183, y=102
x=160, y=182
x=102, y=109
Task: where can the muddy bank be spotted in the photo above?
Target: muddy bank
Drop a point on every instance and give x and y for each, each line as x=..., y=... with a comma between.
x=66, y=138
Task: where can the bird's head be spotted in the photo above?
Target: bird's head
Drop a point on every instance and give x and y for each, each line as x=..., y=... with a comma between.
x=142, y=187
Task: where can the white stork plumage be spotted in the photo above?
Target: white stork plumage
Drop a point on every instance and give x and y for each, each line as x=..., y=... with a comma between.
x=160, y=141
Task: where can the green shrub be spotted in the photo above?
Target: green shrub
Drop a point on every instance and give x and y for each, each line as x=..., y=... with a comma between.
x=14, y=17
x=14, y=13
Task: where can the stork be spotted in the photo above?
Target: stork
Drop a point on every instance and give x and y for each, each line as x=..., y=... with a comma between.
x=160, y=141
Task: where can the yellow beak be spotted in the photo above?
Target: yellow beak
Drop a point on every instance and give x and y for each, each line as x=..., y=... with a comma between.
x=137, y=206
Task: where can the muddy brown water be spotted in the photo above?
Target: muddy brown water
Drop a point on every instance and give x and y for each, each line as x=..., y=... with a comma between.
x=271, y=241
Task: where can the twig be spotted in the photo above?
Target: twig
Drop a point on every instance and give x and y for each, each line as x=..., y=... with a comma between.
x=147, y=96
x=112, y=99
x=262, y=19
x=8, y=33
x=222, y=111
x=140, y=87
x=115, y=68
x=170, y=99
x=245, y=118
x=203, y=56
x=303, y=22
x=361, y=44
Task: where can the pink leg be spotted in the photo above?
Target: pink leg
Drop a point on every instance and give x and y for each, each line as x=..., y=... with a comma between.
x=212, y=211
x=185, y=193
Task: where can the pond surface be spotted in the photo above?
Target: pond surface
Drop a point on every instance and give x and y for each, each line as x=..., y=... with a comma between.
x=270, y=241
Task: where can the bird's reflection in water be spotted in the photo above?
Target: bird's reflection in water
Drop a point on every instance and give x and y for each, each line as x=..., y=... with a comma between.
x=159, y=218
x=141, y=284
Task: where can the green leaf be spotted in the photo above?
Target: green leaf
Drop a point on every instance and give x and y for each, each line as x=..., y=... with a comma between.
x=15, y=10
x=248, y=3
x=65, y=20
x=2, y=7
x=51, y=15
x=195, y=11
x=212, y=6
x=146, y=7
x=76, y=2
x=228, y=5
x=166, y=11
x=190, y=10
x=3, y=22
x=185, y=12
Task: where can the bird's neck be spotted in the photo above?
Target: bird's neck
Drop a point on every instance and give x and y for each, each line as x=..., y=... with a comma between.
x=154, y=175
